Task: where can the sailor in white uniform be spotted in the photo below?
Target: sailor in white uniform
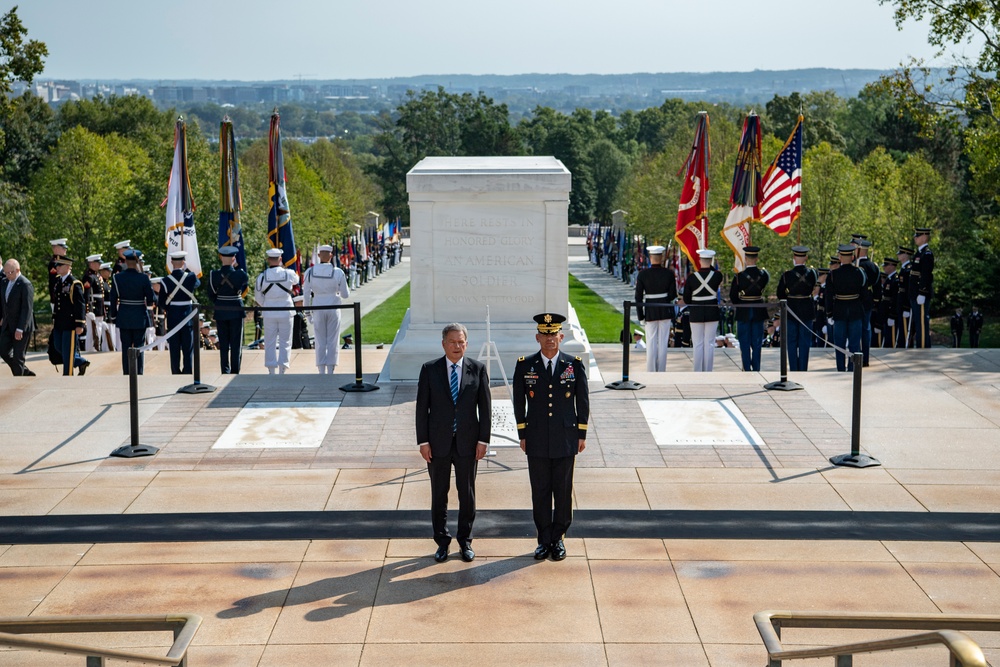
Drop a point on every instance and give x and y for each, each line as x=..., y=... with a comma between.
x=325, y=285
x=273, y=288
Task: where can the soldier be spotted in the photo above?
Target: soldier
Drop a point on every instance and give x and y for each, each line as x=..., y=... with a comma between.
x=871, y=296
x=58, y=250
x=120, y=263
x=796, y=288
x=300, y=327
x=682, y=325
x=69, y=315
x=975, y=326
x=131, y=295
x=701, y=291
x=273, y=289
x=957, y=328
x=93, y=295
x=325, y=285
x=820, y=327
x=921, y=288
x=110, y=332
x=552, y=409
x=226, y=288
x=890, y=297
x=177, y=300
x=903, y=332
x=844, y=297
x=657, y=284
x=748, y=288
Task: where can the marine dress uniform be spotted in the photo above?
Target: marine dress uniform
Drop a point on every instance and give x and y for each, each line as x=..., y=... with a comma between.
x=273, y=288
x=796, y=287
x=325, y=285
x=177, y=299
x=226, y=287
x=748, y=288
x=701, y=293
x=552, y=409
x=131, y=295
x=657, y=284
x=93, y=296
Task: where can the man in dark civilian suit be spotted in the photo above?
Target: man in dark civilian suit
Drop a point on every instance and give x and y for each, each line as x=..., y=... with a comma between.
x=17, y=297
x=552, y=409
x=131, y=295
x=453, y=429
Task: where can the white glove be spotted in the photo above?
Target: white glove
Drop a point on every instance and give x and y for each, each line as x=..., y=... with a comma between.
x=921, y=299
x=890, y=322
x=878, y=331
x=829, y=321
x=906, y=314
x=824, y=330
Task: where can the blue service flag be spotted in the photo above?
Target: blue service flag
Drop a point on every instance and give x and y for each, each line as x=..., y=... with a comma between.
x=230, y=198
x=279, y=218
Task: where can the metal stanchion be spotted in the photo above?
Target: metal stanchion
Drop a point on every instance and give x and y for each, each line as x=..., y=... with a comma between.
x=196, y=387
x=784, y=384
x=625, y=383
x=359, y=383
x=855, y=459
x=134, y=449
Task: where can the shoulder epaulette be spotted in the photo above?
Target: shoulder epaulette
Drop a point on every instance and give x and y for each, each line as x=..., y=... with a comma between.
x=579, y=359
x=520, y=358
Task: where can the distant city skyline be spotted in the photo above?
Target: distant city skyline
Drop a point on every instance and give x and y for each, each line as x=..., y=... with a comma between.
x=256, y=40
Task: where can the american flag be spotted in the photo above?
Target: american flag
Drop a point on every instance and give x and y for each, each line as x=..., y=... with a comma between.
x=782, y=201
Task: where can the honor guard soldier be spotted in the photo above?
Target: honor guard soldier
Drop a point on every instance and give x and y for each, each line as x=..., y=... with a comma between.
x=155, y=319
x=273, y=289
x=58, y=250
x=957, y=328
x=820, y=327
x=682, y=325
x=975, y=326
x=93, y=294
x=921, y=288
x=226, y=288
x=890, y=297
x=120, y=263
x=552, y=409
x=844, y=295
x=657, y=284
x=131, y=296
x=903, y=300
x=701, y=293
x=177, y=299
x=325, y=285
x=301, y=340
x=872, y=294
x=796, y=287
x=110, y=334
x=748, y=288
x=69, y=316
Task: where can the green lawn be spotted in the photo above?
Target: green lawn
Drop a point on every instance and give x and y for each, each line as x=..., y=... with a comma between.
x=990, y=336
x=380, y=325
x=598, y=318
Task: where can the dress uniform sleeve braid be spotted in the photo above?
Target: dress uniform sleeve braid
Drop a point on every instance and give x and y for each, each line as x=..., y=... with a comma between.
x=582, y=401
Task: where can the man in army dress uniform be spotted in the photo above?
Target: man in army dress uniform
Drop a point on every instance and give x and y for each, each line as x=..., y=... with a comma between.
x=820, y=327
x=131, y=295
x=59, y=249
x=69, y=314
x=872, y=295
x=657, y=284
x=845, y=288
x=957, y=328
x=748, y=288
x=177, y=299
x=226, y=287
x=273, y=288
x=552, y=409
x=921, y=288
x=890, y=296
x=975, y=326
x=904, y=323
x=795, y=287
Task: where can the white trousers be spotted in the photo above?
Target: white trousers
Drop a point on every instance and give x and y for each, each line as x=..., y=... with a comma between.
x=703, y=341
x=277, y=340
x=326, y=324
x=657, y=336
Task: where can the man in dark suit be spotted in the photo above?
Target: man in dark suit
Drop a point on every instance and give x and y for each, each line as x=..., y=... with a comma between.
x=17, y=297
x=453, y=429
x=131, y=294
x=552, y=408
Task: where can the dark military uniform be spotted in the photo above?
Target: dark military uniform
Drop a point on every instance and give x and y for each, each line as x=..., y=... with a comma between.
x=870, y=297
x=888, y=313
x=748, y=288
x=552, y=411
x=975, y=327
x=921, y=285
x=904, y=324
x=819, y=324
x=131, y=293
x=957, y=328
x=682, y=327
x=795, y=286
x=69, y=312
x=177, y=300
x=845, y=289
x=657, y=284
x=226, y=287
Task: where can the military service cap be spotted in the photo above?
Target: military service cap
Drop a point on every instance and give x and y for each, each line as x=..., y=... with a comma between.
x=903, y=250
x=800, y=250
x=122, y=244
x=920, y=231
x=845, y=249
x=864, y=243
x=273, y=252
x=229, y=251
x=58, y=242
x=93, y=258
x=822, y=272
x=656, y=250
x=106, y=266
x=705, y=253
x=133, y=254
x=890, y=260
x=751, y=251
x=326, y=248
x=178, y=256
x=64, y=260
x=549, y=323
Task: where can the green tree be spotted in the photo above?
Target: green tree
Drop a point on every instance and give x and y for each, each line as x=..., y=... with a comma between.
x=20, y=59
x=823, y=111
x=609, y=167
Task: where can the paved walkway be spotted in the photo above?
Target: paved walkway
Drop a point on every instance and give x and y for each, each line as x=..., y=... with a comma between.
x=315, y=556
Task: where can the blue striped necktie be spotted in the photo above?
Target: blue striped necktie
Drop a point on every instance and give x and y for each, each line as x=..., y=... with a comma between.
x=454, y=383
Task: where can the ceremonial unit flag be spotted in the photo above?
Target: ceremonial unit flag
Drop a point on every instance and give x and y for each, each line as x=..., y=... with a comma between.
x=230, y=198
x=746, y=193
x=782, y=200
x=279, y=218
x=692, y=213
x=180, y=205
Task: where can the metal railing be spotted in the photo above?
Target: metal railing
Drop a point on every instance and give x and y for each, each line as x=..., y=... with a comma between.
x=184, y=627
x=941, y=629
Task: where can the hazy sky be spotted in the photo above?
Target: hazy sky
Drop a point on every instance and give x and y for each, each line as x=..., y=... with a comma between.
x=344, y=39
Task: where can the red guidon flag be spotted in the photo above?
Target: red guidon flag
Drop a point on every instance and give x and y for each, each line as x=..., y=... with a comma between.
x=692, y=214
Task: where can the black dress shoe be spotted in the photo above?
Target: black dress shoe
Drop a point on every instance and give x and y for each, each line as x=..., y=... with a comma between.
x=468, y=555
x=441, y=555
x=558, y=550
x=28, y=373
x=542, y=552
x=83, y=368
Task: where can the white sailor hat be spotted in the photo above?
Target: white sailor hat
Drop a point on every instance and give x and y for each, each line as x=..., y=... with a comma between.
x=705, y=253
x=123, y=244
x=656, y=250
x=213, y=332
x=178, y=256
x=326, y=248
x=61, y=242
x=273, y=252
x=106, y=265
x=94, y=258
x=156, y=281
